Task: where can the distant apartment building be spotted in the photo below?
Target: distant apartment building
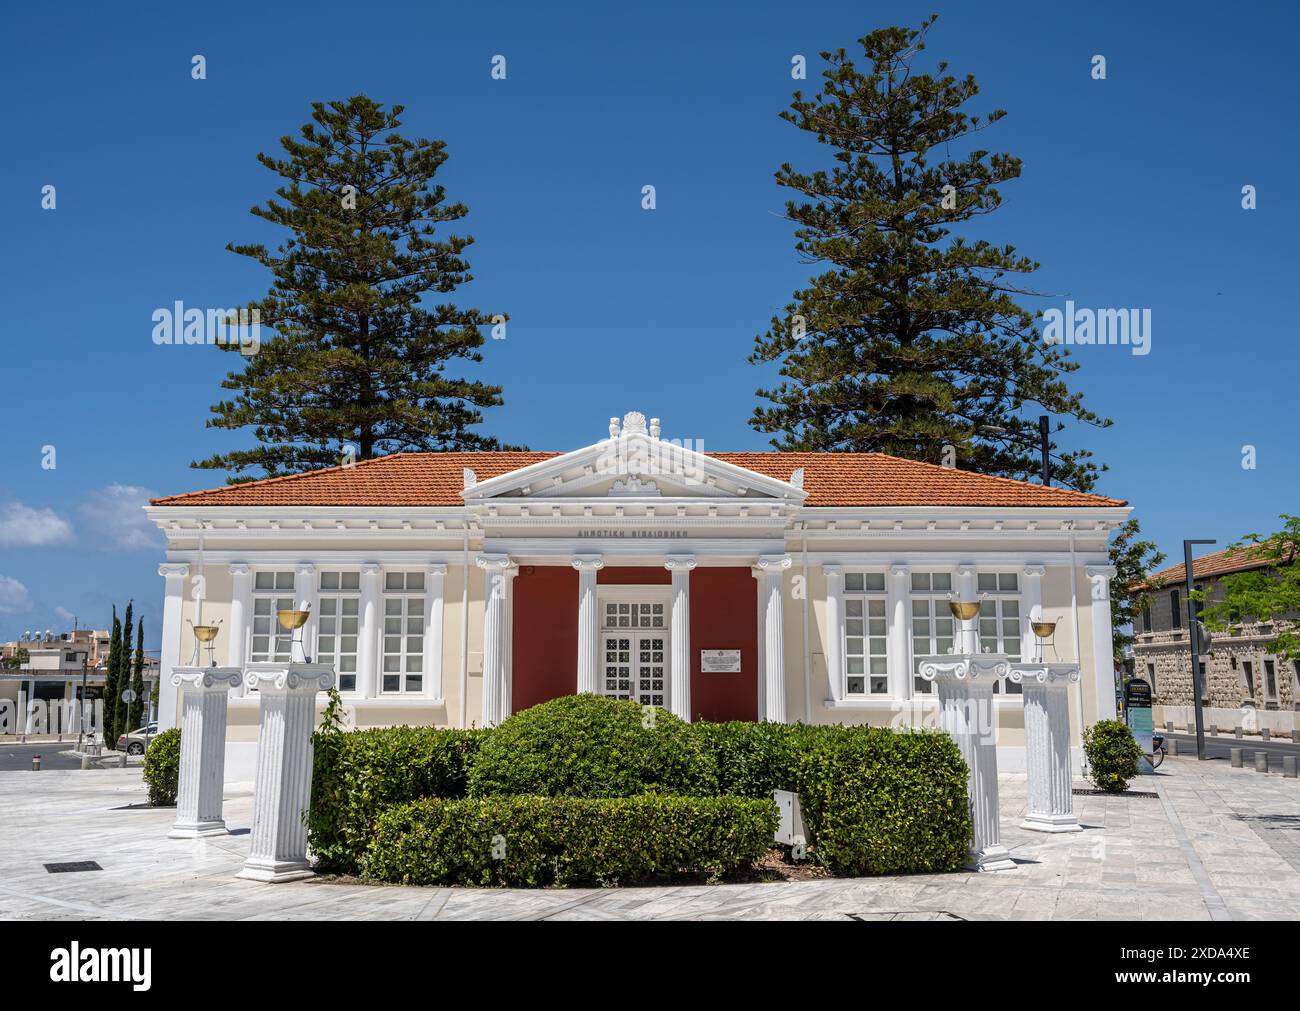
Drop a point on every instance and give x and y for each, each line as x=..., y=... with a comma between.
x=50, y=667
x=1242, y=684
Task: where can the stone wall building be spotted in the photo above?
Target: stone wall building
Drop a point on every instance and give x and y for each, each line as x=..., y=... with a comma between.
x=1242, y=683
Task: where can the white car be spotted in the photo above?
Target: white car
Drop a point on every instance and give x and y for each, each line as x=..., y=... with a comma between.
x=137, y=740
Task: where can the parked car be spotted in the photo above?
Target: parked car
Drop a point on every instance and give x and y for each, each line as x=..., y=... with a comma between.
x=137, y=740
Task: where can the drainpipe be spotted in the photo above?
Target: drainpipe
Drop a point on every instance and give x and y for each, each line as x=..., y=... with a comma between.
x=1074, y=621
x=807, y=654
x=464, y=623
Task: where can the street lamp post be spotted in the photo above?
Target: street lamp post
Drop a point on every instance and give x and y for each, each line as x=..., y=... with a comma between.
x=1044, y=443
x=1196, y=646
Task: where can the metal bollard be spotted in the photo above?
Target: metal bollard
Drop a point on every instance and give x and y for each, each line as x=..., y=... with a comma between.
x=36, y=763
x=1169, y=726
x=1237, y=731
x=1261, y=761
x=1295, y=736
x=1234, y=757
x=1171, y=746
x=1263, y=733
x=85, y=761
x=1214, y=730
x=1288, y=766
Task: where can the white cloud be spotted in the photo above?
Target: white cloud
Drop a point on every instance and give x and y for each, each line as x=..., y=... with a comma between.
x=65, y=616
x=13, y=596
x=114, y=518
x=24, y=527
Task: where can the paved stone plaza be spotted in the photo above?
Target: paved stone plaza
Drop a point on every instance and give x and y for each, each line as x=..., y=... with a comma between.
x=1218, y=843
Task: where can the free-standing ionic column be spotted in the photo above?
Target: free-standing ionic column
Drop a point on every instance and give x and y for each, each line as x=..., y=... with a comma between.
x=1103, y=657
x=965, y=689
x=241, y=609
x=588, y=623
x=1047, y=745
x=834, y=645
x=679, y=671
x=774, y=567
x=369, y=626
x=205, y=692
x=282, y=786
x=494, y=636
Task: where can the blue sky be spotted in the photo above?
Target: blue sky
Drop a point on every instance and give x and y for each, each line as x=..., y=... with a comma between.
x=1130, y=197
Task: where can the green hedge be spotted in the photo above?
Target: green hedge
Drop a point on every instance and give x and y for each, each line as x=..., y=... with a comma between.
x=593, y=746
x=162, y=768
x=874, y=800
x=356, y=776
x=534, y=841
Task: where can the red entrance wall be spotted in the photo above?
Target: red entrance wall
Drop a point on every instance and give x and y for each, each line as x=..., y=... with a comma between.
x=724, y=615
x=545, y=634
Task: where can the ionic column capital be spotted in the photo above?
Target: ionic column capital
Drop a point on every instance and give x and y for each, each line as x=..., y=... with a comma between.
x=774, y=563
x=1035, y=570
x=833, y=570
x=587, y=563
x=240, y=569
x=900, y=569
x=966, y=569
x=1094, y=571
x=501, y=562
x=306, y=568
x=167, y=569
x=435, y=568
x=675, y=563
x=371, y=569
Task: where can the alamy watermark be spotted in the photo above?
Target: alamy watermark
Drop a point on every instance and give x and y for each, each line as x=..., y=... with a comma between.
x=1131, y=327
x=240, y=328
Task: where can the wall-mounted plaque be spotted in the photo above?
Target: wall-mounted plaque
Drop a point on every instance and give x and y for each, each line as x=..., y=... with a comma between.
x=720, y=661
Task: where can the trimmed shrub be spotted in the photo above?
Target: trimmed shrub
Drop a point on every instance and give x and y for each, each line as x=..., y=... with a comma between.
x=162, y=768
x=535, y=841
x=592, y=746
x=1112, y=754
x=359, y=774
x=874, y=801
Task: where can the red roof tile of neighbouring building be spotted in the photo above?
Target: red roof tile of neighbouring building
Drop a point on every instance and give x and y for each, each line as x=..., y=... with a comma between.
x=1219, y=563
x=831, y=479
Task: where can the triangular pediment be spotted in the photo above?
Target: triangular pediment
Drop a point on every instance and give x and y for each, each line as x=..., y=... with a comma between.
x=633, y=466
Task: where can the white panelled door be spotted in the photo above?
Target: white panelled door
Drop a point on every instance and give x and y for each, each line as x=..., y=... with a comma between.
x=634, y=658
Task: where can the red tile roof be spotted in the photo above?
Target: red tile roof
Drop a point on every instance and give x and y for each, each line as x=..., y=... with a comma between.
x=1219, y=563
x=831, y=479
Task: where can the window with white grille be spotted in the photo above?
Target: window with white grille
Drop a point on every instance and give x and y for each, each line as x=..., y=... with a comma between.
x=403, y=645
x=338, y=624
x=933, y=626
x=272, y=592
x=866, y=635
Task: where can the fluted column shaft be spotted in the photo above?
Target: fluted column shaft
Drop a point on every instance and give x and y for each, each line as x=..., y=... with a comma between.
x=774, y=567
x=679, y=673
x=174, y=574
x=1047, y=752
x=282, y=788
x=834, y=648
x=368, y=627
x=205, y=694
x=588, y=623
x=495, y=601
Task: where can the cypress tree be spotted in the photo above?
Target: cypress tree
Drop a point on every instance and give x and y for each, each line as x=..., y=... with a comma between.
x=123, y=675
x=912, y=340
x=110, y=683
x=356, y=357
x=135, y=718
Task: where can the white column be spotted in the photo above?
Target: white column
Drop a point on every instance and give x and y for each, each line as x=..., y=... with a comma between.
x=965, y=689
x=174, y=594
x=588, y=623
x=679, y=641
x=369, y=625
x=277, y=848
x=964, y=588
x=834, y=630
x=508, y=648
x=494, y=635
x=241, y=606
x=898, y=602
x=761, y=625
x=773, y=567
x=305, y=594
x=1103, y=647
x=1031, y=602
x=1047, y=746
x=205, y=693
x=435, y=578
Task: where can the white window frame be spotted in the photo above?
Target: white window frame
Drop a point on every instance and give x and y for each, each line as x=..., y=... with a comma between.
x=863, y=600
x=937, y=611
x=337, y=595
x=276, y=598
x=658, y=593
x=1007, y=587
x=409, y=660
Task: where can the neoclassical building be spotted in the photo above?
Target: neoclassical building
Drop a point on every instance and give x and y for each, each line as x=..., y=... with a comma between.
x=453, y=589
